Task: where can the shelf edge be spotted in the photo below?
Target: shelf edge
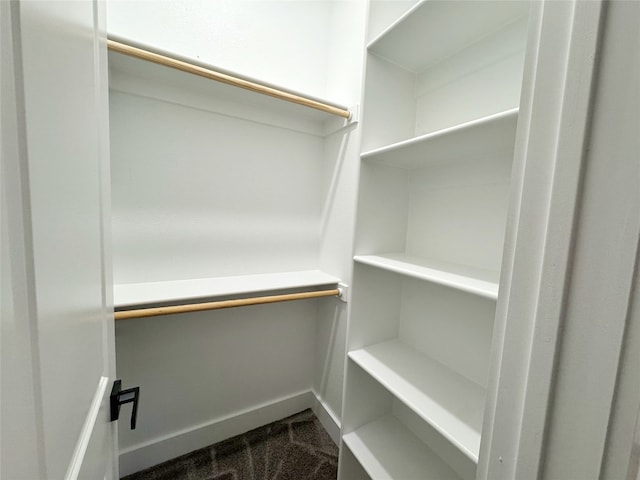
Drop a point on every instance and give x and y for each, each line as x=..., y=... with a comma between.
x=484, y=121
x=490, y=291
x=324, y=279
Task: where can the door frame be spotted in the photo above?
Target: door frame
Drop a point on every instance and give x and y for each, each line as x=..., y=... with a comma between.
x=566, y=331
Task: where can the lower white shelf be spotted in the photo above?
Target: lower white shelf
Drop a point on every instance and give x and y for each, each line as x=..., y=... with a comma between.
x=186, y=291
x=386, y=449
x=449, y=402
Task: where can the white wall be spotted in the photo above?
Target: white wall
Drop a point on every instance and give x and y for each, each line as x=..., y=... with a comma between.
x=278, y=41
x=196, y=368
x=482, y=80
x=198, y=194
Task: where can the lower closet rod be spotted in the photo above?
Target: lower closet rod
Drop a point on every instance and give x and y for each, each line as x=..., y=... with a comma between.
x=241, y=302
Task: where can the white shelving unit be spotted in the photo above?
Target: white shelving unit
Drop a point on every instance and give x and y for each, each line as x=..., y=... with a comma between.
x=221, y=288
x=440, y=113
x=138, y=77
x=429, y=23
x=218, y=205
x=467, y=279
x=441, y=65
x=480, y=138
x=450, y=403
x=152, y=91
x=376, y=444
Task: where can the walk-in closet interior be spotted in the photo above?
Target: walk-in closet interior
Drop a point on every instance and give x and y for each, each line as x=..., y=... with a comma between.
x=399, y=235
x=221, y=193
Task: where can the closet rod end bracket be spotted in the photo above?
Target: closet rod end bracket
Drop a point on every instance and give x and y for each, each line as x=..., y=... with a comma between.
x=336, y=124
x=354, y=114
x=344, y=292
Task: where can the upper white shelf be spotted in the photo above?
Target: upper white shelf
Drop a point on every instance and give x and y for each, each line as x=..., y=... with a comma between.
x=450, y=403
x=435, y=29
x=470, y=141
x=201, y=289
x=137, y=76
x=483, y=283
x=387, y=449
x=217, y=75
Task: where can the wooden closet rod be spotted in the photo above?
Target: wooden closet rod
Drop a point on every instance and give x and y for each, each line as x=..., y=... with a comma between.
x=241, y=302
x=224, y=78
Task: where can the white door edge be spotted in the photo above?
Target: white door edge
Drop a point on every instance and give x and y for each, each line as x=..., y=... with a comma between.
x=87, y=430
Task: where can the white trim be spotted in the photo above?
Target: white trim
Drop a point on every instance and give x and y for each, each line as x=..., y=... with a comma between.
x=562, y=214
x=620, y=77
x=166, y=447
x=87, y=430
x=328, y=418
x=152, y=452
x=569, y=256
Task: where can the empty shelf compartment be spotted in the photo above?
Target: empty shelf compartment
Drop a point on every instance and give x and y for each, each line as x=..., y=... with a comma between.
x=386, y=449
x=449, y=402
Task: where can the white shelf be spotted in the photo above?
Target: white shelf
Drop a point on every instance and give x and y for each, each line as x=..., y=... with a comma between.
x=138, y=77
x=386, y=449
x=186, y=291
x=483, y=283
x=478, y=139
x=439, y=28
x=447, y=401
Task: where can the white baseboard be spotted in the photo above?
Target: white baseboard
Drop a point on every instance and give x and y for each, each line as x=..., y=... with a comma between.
x=141, y=456
x=147, y=454
x=327, y=417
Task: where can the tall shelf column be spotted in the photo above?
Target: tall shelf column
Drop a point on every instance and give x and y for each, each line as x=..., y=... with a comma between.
x=440, y=110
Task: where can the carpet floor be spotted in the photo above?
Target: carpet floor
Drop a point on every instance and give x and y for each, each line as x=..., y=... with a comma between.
x=294, y=448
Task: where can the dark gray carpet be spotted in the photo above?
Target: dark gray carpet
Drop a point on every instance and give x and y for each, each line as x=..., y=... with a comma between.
x=294, y=448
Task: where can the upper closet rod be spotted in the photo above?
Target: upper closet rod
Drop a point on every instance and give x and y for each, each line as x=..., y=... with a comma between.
x=224, y=78
x=241, y=302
